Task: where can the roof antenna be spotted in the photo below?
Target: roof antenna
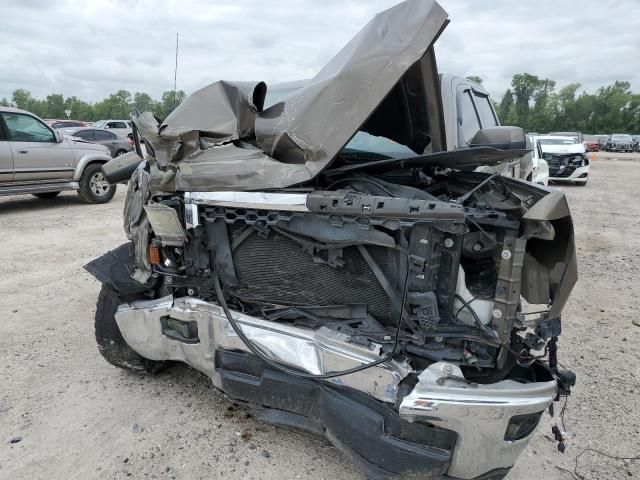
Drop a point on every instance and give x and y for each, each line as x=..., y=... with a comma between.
x=175, y=74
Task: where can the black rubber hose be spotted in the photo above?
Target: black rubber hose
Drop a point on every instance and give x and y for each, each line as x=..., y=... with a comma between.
x=488, y=333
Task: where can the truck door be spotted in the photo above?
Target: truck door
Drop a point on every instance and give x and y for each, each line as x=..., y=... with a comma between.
x=6, y=157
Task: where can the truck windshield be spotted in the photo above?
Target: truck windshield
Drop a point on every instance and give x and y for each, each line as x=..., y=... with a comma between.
x=361, y=141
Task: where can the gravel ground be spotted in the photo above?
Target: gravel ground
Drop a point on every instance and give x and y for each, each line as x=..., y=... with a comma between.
x=78, y=417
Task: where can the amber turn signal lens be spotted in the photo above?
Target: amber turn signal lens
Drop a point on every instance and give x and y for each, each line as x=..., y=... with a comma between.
x=154, y=255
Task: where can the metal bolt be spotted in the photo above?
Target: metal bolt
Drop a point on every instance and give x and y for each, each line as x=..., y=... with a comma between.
x=190, y=291
x=477, y=247
x=447, y=369
x=497, y=313
x=448, y=242
x=506, y=254
x=424, y=241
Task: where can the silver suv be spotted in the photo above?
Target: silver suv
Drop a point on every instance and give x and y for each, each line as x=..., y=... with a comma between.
x=37, y=159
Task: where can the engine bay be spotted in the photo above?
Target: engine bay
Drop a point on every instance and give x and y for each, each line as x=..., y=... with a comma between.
x=426, y=264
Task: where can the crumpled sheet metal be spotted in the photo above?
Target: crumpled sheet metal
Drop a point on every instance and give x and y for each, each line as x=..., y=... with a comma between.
x=314, y=123
x=229, y=167
x=197, y=149
x=136, y=224
x=219, y=113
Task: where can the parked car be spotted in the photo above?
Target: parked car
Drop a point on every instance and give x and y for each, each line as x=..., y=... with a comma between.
x=567, y=159
x=66, y=123
x=122, y=128
x=116, y=145
x=590, y=143
x=577, y=136
x=602, y=141
x=37, y=159
x=620, y=142
x=370, y=296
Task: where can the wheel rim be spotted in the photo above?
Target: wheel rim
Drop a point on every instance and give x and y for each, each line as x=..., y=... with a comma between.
x=98, y=185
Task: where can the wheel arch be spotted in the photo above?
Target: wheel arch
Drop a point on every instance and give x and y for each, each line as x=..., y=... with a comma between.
x=87, y=160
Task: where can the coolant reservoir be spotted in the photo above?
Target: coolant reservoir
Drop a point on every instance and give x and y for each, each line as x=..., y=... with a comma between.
x=483, y=308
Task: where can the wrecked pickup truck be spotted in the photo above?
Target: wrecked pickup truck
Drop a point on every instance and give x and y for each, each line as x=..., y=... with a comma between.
x=402, y=304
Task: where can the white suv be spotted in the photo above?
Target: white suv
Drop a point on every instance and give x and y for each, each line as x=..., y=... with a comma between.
x=122, y=128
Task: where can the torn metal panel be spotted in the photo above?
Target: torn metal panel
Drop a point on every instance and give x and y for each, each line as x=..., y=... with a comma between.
x=136, y=225
x=219, y=113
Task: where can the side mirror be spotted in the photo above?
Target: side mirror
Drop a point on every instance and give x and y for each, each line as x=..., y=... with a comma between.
x=502, y=138
x=59, y=135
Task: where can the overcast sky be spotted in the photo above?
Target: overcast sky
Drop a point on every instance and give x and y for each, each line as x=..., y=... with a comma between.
x=93, y=48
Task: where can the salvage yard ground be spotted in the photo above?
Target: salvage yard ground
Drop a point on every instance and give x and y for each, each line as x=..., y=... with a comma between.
x=78, y=417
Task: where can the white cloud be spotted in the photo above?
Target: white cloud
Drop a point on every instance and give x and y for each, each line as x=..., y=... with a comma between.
x=91, y=49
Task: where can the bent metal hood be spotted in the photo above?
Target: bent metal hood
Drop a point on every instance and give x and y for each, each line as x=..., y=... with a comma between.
x=200, y=145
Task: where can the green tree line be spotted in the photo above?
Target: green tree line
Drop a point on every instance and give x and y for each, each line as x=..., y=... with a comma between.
x=531, y=103
x=118, y=105
x=534, y=104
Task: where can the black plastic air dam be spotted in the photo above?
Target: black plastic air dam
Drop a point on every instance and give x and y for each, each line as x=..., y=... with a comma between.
x=370, y=433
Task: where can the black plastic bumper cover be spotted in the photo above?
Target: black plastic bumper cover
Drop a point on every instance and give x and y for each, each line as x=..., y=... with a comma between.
x=114, y=269
x=373, y=435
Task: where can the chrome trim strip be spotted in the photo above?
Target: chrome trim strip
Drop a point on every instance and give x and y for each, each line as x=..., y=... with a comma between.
x=292, y=202
x=44, y=169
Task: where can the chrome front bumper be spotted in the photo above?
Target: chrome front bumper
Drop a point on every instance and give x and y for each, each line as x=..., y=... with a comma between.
x=479, y=414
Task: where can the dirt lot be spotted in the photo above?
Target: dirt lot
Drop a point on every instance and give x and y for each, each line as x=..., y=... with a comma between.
x=81, y=418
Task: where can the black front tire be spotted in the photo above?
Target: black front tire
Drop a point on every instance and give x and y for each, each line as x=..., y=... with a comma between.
x=93, y=186
x=111, y=344
x=46, y=194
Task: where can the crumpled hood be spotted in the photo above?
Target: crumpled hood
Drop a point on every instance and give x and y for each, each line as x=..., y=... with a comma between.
x=199, y=147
